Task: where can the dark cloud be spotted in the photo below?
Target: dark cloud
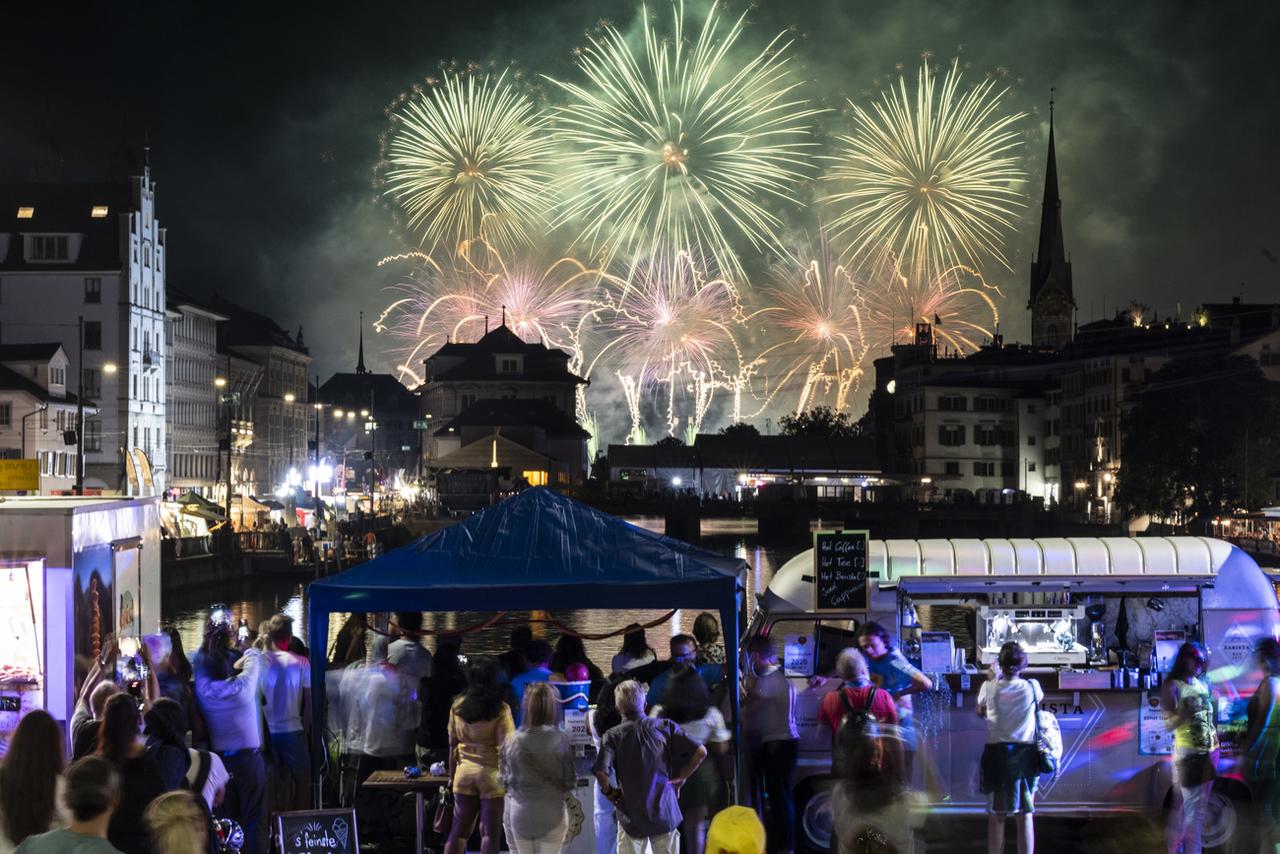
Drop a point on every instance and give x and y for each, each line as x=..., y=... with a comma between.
x=263, y=120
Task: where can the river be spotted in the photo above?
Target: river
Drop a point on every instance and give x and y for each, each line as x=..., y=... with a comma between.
x=256, y=600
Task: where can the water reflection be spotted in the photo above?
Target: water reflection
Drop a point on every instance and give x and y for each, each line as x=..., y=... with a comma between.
x=257, y=600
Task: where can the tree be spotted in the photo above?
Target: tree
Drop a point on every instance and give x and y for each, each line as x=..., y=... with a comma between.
x=1200, y=440
x=740, y=430
x=670, y=442
x=819, y=421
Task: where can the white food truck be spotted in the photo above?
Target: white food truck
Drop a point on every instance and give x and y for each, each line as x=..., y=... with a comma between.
x=1100, y=618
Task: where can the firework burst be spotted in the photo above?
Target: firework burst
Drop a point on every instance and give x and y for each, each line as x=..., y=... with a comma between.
x=678, y=146
x=468, y=158
x=817, y=307
x=673, y=329
x=931, y=178
x=958, y=303
x=539, y=301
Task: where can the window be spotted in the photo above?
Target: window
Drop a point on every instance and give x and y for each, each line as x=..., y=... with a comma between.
x=93, y=290
x=1006, y=468
x=509, y=366
x=1031, y=466
x=984, y=469
x=990, y=404
x=467, y=400
x=1031, y=441
x=93, y=335
x=48, y=247
x=952, y=468
x=26, y=212
x=535, y=478
x=44, y=418
x=92, y=383
x=952, y=403
x=99, y=212
x=6, y=414
x=951, y=435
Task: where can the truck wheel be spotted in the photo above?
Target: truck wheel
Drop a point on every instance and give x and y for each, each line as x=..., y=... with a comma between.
x=815, y=818
x=1226, y=830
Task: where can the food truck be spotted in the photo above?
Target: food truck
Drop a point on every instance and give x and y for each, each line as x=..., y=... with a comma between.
x=73, y=572
x=1100, y=619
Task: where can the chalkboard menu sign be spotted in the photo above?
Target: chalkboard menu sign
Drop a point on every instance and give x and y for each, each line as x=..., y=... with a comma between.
x=840, y=570
x=328, y=831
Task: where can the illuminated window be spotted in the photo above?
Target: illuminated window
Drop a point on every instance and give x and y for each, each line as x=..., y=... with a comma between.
x=26, y=213
x=98, y=212
x=535, y=478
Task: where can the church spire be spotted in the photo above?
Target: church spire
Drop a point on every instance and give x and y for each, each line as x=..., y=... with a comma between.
x=360, y=368
x=1052, y=249
x=1052, y=301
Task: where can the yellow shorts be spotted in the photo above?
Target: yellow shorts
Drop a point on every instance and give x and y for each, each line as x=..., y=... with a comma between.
x=477, y=781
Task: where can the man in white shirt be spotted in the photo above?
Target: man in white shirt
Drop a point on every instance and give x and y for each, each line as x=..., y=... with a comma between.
x=286, y=700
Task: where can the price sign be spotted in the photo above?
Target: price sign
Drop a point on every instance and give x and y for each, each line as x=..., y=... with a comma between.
x=330, y=831
x=840, y=570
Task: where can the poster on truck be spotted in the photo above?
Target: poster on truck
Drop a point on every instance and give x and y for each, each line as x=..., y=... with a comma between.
x=95, y=605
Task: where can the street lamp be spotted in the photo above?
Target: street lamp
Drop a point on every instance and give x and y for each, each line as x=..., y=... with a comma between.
x=109, y=368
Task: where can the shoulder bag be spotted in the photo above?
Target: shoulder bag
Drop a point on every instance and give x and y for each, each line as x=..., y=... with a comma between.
x=1048, y=735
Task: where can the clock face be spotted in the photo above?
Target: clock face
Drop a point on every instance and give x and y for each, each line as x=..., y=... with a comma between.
x=1052, y=301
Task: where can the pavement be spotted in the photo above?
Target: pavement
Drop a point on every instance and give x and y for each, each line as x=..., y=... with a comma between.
x=1127, y=835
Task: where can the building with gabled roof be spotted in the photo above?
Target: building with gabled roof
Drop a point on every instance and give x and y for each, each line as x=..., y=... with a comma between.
x=94, y=250
x=38, y=413
x=502, y=384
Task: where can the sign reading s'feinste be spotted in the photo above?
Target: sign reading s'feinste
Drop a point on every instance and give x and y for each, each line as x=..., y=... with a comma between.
x=840, y=570
x=328, y=831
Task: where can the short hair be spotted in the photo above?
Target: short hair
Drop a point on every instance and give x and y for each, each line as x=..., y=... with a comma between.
x=1012, y=659
x=682, y=639
x=176, y=821
x=851, y=666
x=99, y=696
x=538, y=652
x=280, y=628
x=872, y=629
x=521, y=636
x=706, y=628
x=539, y=706
x=410, y=621
x=762, y=645
x=92, y=785
x=629, y=696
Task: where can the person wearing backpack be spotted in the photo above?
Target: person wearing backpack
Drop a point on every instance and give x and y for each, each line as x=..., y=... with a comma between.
x=1010, y=767
x=854, y=706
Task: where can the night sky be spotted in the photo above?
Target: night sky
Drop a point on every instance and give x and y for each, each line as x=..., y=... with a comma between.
x=263, y=121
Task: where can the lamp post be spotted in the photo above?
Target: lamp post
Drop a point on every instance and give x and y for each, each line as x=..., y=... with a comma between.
x=79, y=487
x=225, y=401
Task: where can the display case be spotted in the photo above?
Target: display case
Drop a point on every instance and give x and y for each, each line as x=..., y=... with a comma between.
x=22, y=675
x=1050, y=635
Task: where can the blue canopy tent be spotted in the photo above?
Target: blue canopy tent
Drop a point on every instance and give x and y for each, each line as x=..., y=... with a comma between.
x=537, y=550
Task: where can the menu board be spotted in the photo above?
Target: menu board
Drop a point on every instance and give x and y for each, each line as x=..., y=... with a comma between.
x=330, y=831
x=840, y=576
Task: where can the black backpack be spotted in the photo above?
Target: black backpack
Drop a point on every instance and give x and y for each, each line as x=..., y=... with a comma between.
x=854, y=727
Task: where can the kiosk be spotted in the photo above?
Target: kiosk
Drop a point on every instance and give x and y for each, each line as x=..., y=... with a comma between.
x=73, y=570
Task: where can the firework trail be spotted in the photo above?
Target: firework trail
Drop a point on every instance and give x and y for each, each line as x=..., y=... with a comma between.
x=678, y=146
x=672, y=330
x=931, y=178
x=817, y=306
x=456, y=301
x=469, y=158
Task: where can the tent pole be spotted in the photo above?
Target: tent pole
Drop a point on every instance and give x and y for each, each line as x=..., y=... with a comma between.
x=318, y=635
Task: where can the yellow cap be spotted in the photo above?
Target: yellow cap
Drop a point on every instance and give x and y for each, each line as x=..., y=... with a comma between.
x=735, y=830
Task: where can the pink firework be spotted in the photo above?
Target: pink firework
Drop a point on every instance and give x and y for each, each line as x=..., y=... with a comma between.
x=958, y=303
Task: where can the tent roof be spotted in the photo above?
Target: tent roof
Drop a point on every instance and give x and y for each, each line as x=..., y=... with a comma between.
x=538, y=549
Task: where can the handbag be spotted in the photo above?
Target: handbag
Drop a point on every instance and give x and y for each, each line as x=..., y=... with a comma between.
x=442, y=811
x=574, y=817
x=1048, y=735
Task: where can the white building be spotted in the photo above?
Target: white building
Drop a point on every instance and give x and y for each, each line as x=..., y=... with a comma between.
x=192, y=407
x=37, y=412
x=95, y=251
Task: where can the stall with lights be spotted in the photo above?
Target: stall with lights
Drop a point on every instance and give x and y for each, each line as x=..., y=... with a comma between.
x=74, y=572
